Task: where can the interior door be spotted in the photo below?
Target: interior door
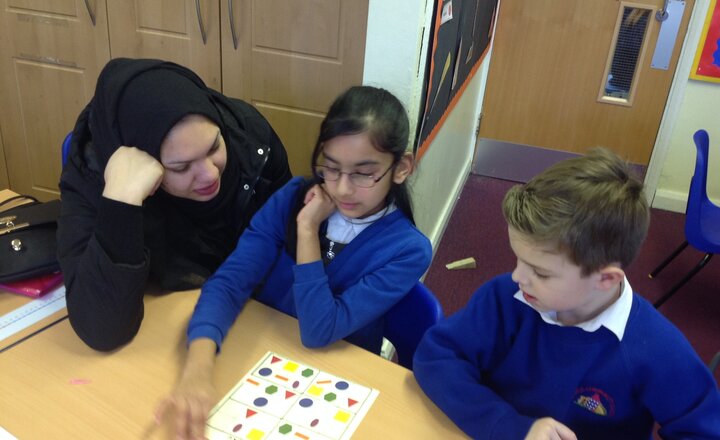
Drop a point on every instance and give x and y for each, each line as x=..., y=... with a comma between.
x=51, y=53
x=291, y=59
x=183, y=31
x=549, y=83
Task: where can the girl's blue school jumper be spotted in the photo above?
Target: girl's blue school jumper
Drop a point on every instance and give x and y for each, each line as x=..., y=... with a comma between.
x=496, y=366
x=345, y=299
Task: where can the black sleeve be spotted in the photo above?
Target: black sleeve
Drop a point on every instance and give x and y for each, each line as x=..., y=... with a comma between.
x=104, y=265
x=277, y=169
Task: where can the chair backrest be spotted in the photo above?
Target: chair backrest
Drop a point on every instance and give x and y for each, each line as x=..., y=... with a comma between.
x=714, y=362
x=66, y=147
x=701, y=212
x=407, y=321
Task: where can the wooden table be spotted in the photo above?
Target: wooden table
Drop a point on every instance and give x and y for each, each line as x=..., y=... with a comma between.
x=53, y=386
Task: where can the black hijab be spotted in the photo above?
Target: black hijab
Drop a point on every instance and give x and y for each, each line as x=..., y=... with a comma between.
x=136, y=103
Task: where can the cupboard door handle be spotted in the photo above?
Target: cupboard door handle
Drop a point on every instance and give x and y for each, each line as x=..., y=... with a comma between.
x=200, y=21
x=90, y=11
x=231, y=17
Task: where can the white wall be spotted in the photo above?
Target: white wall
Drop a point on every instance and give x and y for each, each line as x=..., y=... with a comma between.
x=697, y=108
x=395, y=46
x=394, y=49
x=446, y=164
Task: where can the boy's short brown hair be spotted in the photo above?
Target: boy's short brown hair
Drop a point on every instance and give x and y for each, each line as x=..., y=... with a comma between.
x=591, y=207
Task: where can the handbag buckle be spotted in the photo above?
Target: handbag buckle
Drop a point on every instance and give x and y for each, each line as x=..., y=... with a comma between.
x=10, y=226
x=7, y=220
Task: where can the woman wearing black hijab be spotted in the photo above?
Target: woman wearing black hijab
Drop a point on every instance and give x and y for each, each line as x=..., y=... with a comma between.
x=162, y=177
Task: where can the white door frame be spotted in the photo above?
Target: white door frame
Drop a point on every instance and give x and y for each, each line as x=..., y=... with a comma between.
x=675, y=98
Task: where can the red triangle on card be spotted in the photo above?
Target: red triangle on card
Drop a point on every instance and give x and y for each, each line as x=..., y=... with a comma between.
x=275, y=359
x=289, y=394
x=351, y=402
x=250, y=413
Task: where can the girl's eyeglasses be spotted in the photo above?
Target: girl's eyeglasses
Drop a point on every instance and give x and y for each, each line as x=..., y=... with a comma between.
x=360, y=180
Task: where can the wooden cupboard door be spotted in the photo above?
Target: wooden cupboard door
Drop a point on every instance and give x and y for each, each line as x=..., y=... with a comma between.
x=51, y=54
x=169, y=30
x=291, y=59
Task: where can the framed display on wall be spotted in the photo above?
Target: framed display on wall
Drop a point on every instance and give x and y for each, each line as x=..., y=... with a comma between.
x=706, y=66
x=462, y=30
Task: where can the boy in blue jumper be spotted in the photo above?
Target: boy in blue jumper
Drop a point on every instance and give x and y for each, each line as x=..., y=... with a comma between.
x=562, y=348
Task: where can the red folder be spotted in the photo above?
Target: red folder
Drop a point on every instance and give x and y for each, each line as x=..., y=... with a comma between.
x=34, y=287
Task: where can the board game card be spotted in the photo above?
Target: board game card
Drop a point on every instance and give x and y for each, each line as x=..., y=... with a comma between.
x=285, y=372
x=283, y=399
x=320, y=416
x=265, y=396
x=339, y=392
x=236, y=420
x=286, y=431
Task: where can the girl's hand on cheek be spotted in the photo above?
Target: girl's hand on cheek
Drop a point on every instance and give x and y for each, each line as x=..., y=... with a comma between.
x=318, y=206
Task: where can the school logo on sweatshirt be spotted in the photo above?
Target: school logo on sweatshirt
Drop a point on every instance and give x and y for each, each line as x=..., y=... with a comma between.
x=594, y=400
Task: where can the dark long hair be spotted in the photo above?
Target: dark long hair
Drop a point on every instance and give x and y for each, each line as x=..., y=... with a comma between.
x=375, y=111
x=361, y=109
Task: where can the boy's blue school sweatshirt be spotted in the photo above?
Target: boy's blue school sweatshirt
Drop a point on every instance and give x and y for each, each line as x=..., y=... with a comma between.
x=496, y=366
x=345, y=299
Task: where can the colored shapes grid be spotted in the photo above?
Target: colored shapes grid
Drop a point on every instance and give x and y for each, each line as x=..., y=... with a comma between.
x=283, y=399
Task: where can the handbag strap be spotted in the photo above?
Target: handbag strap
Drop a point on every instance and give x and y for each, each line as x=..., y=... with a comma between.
x=10, y=199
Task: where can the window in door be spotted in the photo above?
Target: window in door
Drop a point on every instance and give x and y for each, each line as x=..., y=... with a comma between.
x=625, y=58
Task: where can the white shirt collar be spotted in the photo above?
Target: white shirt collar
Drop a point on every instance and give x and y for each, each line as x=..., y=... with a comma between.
x=614, y=318
x=343, y=229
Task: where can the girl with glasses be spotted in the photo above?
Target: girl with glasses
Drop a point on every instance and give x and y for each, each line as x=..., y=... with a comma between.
x=336, y=251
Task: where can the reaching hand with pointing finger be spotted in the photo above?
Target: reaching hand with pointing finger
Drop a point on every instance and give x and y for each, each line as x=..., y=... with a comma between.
x=548, y=428
x=188, y=405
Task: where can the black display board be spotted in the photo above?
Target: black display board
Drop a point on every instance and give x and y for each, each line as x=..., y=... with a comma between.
x=462, y=30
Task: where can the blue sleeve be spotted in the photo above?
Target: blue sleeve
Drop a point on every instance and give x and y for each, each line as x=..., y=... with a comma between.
x=672, y=368
x=325, y=317
x=225, y=293
x=455, y=355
